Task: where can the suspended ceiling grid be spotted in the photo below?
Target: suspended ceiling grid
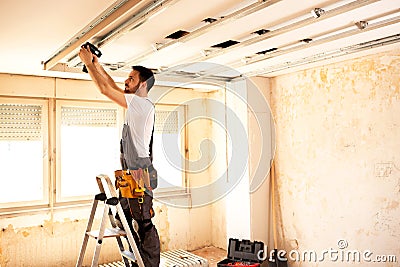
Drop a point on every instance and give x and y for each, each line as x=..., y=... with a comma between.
x=264, y=38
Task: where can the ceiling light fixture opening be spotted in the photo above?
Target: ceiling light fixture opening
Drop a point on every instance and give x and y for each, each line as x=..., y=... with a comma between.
x=267, y=51
x=176, y=35
x=306, y=40
x=261, y=32
x=209, y=20
x=225, y=44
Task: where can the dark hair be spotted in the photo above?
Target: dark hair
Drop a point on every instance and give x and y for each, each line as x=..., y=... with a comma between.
x=145, y=75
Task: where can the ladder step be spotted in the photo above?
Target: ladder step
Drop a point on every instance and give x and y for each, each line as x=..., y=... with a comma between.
x=109, y=232
x=129, y=255
x=111, y=202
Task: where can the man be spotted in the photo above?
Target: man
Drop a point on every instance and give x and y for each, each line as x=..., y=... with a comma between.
x=139, y=123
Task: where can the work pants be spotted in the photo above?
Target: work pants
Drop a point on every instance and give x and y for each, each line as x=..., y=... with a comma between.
x=146, y=238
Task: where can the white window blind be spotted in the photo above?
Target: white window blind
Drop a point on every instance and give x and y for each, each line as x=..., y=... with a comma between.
x=168, y=146
x=89, y=145
x=92, y=117
x=21, y=153
x=166, y=122
x=20, y=122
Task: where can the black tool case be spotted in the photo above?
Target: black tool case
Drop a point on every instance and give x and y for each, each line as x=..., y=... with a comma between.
x=243, y=253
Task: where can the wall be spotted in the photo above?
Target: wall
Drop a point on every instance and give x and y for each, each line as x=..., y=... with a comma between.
x=230, y=202
x=243, y=212
x=261, y=151
x=52, y=237
x=338, y=161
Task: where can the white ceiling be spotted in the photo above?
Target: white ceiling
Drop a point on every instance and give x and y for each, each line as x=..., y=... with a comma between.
x=51, y=32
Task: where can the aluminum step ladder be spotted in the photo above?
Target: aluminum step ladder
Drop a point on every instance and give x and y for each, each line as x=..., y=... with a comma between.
x=111, y=201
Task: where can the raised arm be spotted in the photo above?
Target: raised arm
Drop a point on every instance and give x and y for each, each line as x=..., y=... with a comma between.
x=100, y=77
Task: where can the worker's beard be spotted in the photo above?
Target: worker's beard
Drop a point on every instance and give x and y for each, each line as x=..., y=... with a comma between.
x=130, y=90
x=127, y=91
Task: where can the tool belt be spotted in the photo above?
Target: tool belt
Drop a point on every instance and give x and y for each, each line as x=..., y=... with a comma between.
x=132, y=183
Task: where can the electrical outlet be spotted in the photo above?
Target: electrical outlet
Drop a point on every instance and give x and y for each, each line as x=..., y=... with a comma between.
x=383, y=169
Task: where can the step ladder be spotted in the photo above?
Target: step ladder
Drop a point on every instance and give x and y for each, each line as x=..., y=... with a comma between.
x=111, y=201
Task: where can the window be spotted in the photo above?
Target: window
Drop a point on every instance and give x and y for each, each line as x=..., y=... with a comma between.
x=23, y=152
x=88, y=145
x=83, y=137
x=169, y=146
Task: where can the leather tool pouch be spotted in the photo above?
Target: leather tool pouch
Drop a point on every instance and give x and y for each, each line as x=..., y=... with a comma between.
x=130, y=183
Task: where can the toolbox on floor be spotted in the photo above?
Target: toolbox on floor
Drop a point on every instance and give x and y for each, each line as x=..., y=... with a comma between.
x=243, y=253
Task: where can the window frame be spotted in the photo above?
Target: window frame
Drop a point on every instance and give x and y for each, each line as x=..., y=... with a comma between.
x=51, y=133
x=174, y=191
x=45, y=152
x=58, y=199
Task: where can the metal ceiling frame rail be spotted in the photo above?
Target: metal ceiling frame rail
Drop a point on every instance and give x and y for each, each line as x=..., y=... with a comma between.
x=285, y=29
x=324, y=55
x=330, y=54
x=193, y=76
x=208, y=75
x=333, y=12
x=259, y=5
x=135, y=21
x=213, y=73
x=112, y=14
x=292, y=47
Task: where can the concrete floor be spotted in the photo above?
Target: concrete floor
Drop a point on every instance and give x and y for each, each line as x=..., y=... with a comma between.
x=212, y=254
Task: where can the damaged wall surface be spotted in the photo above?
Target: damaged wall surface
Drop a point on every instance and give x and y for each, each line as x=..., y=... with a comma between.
x=338, y=159
x=58, y=243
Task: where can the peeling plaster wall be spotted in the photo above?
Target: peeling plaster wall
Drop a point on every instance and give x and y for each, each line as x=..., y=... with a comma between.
x=338, y=157
x=49, y=244
x=58, y=243
x=182, y=228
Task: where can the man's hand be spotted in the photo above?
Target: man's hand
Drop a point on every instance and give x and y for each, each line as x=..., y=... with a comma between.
x=103, y=81
x=86, y=56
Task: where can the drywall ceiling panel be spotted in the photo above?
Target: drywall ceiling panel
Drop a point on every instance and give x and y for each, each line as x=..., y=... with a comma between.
x=312, y=54
x=335, y=26
x=32, y=30
x=35, y=31
x=184, y=15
